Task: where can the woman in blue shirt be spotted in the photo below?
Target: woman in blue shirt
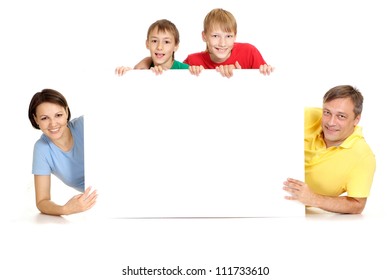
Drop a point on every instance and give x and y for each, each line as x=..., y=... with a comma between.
x=59, y=151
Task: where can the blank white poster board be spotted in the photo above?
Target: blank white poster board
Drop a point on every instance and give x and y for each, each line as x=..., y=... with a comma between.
x=178, y=145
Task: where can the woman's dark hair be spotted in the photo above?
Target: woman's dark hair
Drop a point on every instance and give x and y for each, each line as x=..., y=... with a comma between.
x=46, y=95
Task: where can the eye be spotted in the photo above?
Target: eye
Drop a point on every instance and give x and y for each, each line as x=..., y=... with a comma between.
x=326, y=113
x=59, y=115
x=341, y=117
x=43, y=118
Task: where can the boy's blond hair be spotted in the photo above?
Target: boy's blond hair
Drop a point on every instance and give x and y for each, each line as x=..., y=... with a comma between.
x=220, y=18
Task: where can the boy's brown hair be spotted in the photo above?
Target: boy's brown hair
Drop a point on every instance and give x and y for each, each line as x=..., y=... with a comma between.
x=165, y=25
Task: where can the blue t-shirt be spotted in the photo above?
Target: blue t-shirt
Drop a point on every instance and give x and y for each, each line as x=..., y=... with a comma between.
x=67, y=166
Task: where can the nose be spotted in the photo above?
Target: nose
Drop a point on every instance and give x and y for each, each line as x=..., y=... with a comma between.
x=52, y=123
x=332, y=120
x=159, y=45
x=222, y=41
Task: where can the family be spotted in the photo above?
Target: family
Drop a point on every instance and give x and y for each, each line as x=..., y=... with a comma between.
x=339, y=164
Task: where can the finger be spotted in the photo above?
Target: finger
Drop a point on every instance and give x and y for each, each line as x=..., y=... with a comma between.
x=262, y=69
x=194, y=70
x=269, y=69
x=293, y=187
x=294, y=181
x=90, y=201
x=90, y=206
x=159, y=71
x=91, y=196
x=87, y=190
x=290, y=197
x=230, y=72
x=225, y=72
x=221, y=70
x=85, y=194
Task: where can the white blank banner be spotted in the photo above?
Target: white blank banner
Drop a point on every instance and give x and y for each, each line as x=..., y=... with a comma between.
x=178, y=145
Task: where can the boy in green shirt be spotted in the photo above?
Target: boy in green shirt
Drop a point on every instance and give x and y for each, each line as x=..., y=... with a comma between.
x=162, y=42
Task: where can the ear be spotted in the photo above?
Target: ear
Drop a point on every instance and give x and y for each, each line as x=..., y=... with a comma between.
x=176, y=48
x=356, y=121
x=203, y=36
x=147, y=43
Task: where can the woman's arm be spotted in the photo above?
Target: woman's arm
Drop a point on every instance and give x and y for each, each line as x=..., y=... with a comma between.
x=43, y=197
x=78, y=203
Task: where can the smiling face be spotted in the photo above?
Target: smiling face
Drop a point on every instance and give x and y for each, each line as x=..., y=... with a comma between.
x=338, y=120
x=219, y=34
x=219, y=44
x=52, y=120
x=162, y=46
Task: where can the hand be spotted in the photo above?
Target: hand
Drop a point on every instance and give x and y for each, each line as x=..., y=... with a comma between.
x=266, y=69
x=300, y=191
x=121, y=70
x=81, y=202
x=227, y=70
x=158, y=70
x=195, y=70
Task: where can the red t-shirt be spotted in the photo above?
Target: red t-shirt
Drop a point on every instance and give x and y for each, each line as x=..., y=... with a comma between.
x=247, y=55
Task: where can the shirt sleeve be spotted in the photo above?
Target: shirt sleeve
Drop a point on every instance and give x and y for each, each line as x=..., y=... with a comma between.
x=40, y=162
x=361, y=177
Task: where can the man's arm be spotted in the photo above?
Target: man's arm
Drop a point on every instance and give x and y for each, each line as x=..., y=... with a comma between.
x=340, y=204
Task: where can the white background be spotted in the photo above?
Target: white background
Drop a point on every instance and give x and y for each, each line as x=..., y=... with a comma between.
x=72, y=45
x=194, y=146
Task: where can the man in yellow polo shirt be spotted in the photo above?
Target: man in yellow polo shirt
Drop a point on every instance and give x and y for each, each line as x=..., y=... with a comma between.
x=337, y=158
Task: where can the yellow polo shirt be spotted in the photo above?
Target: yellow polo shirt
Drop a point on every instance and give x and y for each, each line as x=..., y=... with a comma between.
x=348, y=168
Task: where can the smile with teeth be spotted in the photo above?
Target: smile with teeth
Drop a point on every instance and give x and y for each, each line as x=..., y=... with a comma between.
x=159, y=55
x=54, y=130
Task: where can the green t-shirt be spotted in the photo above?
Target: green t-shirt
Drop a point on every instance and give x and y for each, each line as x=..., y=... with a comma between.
x=179, y=65
x=176, y=65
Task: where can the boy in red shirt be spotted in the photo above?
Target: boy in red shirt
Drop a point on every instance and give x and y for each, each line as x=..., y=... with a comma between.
x=222, y=52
